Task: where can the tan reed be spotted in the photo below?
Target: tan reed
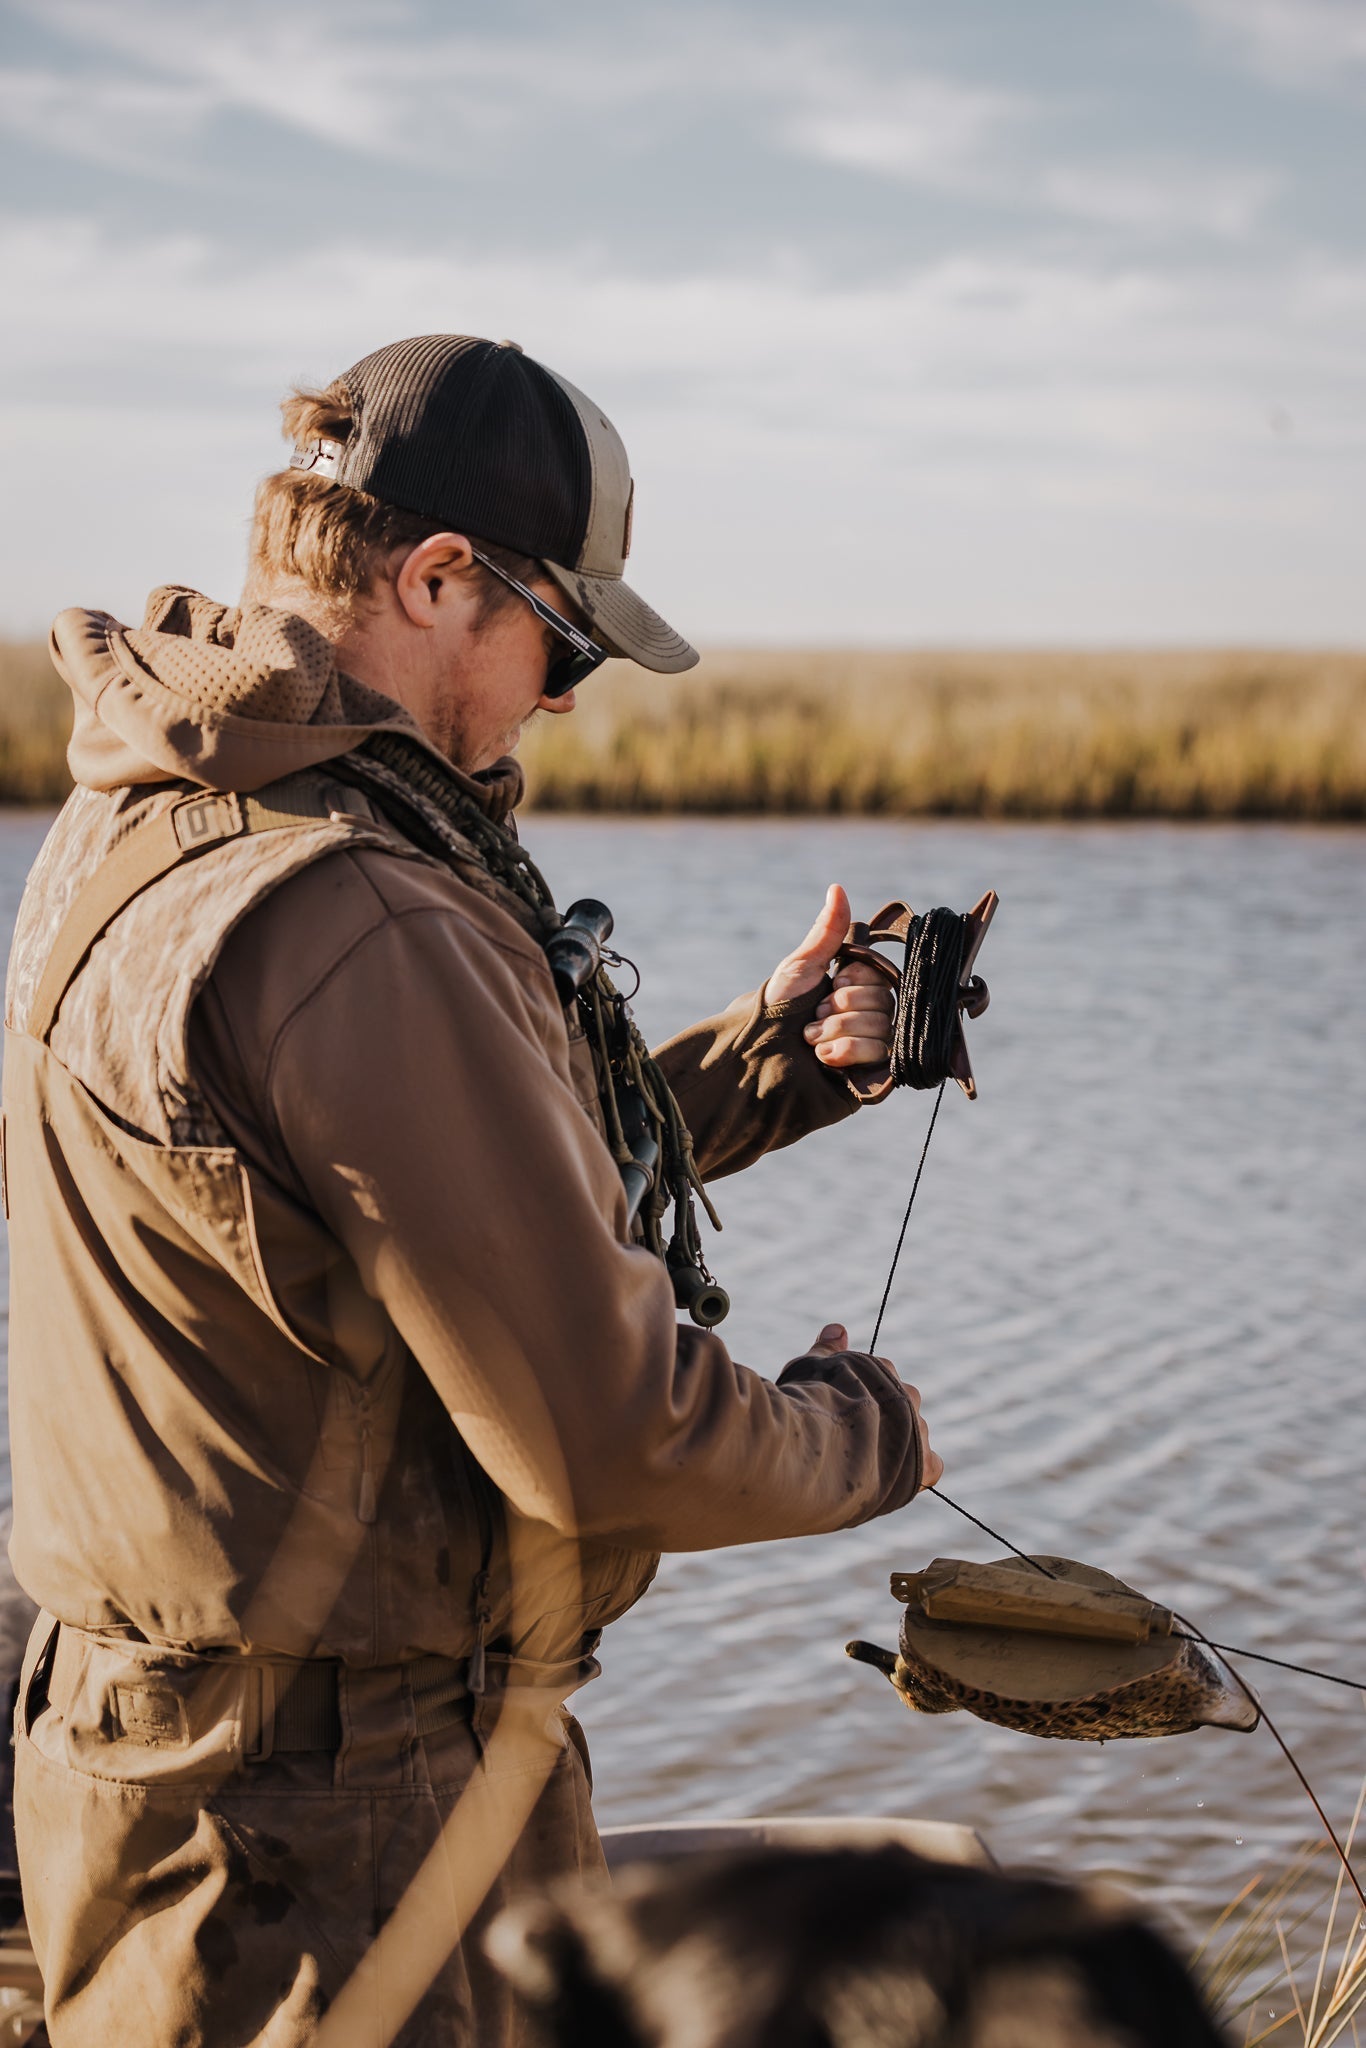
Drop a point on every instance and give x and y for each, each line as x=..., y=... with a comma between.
x=994, y=734
x=991, y=734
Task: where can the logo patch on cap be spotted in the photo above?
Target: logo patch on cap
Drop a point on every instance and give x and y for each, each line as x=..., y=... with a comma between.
x=323, y=458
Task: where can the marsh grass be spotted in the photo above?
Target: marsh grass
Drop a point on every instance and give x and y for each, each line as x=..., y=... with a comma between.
x=35, y=723
x=1286, y=1959
x=957, y=734
x=995, y=735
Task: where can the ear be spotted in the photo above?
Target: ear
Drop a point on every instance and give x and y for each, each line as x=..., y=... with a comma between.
x=540, y=1948
x=436, y=570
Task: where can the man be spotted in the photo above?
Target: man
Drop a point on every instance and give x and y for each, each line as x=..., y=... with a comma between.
x=349, y=1401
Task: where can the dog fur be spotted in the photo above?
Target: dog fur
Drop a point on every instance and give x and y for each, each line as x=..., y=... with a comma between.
x=843, y=1948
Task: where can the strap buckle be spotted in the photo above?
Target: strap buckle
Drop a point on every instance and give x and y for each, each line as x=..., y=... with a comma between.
x=202, y=820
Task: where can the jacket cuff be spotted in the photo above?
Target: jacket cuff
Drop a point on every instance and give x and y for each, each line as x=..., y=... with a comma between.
x=774, y=1030
x=748, y=1082
x=860, y=1377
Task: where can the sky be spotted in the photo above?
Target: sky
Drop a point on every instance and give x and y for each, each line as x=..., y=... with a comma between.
x=1029, y=322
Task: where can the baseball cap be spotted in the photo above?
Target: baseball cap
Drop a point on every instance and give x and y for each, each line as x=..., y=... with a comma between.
x=478, y=435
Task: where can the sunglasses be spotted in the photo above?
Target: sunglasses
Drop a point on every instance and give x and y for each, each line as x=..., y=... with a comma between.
x=565, y=671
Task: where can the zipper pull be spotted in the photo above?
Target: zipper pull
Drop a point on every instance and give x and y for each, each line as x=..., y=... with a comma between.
x=366, y=1510
x=478, y=1663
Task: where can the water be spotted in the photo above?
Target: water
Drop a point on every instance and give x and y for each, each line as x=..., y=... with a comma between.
x=1132, y=1295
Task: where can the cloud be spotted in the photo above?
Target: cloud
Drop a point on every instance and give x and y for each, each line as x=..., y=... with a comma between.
x=124, y=123
x=326, y=74
x=1293, y=42
x=981, y=445
x=395, y=83
x=915, y=127
x=1068, y=359
x=1164, y=199
x=969, y=350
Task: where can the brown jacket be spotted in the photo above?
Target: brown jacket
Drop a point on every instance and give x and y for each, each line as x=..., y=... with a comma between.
x=323, y=1299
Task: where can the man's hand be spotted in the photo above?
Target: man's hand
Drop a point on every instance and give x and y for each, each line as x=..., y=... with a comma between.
x=834, y=1338
x=853, y=1026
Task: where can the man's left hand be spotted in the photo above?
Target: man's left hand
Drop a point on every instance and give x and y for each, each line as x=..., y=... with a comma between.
x=853, y=1026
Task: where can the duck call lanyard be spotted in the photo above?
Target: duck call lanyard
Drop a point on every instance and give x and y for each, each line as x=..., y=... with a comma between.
x=644, y=1125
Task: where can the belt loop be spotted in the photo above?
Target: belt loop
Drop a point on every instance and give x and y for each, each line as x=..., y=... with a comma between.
x=264, y=1745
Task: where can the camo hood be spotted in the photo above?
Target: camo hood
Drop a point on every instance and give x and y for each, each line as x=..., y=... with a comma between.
x=229, y=698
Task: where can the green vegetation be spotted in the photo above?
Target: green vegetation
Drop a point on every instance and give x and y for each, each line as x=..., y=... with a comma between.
x=992, y=734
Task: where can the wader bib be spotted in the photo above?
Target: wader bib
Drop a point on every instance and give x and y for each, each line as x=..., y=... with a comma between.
x=213, y=1835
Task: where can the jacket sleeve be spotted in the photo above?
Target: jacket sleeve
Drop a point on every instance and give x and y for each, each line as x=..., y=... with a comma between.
x=748, y=1082
x=424, y=1097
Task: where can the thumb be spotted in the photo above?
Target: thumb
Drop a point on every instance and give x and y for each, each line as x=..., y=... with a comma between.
x=805, y=964
x=834, y=1337
x=823, y=940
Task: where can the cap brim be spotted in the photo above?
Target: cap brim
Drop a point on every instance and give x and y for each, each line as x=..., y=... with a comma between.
x=623, y=623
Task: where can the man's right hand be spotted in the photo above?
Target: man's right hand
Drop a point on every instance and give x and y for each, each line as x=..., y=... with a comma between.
x=835, y=1338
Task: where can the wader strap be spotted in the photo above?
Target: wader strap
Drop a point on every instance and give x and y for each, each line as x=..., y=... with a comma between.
x=151, y=849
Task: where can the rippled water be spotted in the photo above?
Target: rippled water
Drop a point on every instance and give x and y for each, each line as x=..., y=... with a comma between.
x=1132, y=1295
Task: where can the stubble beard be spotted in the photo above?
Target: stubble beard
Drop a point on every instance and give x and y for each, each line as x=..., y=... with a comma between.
x=471, y=750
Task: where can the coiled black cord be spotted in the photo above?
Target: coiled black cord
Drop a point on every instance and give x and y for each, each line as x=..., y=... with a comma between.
x=927, y=999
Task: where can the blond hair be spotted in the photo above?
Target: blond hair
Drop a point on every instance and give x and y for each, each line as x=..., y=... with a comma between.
x=338, y=541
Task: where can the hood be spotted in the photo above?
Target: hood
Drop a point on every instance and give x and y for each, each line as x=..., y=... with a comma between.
x=227, y=699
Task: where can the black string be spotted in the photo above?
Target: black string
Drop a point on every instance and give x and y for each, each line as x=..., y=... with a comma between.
x=924, y=1031
x=1261, y=1657
x=926, y=1015
x=995, y=1534
x=1191, y=1634
x=1287, y=1752
x=1228, y=1649
x=926, y=1024
x=886, y=1292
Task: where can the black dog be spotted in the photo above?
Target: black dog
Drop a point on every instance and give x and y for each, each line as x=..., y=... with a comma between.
x=843, y=1948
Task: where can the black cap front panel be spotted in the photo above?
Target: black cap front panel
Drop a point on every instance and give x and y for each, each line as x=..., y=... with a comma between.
x=473, y=433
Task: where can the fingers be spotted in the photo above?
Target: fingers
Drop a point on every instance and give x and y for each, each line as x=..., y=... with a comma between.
x=834, y=1337
x=859, y=971
x=931, y=1464
x=851, y=1052
x=862, y=996
x=852, y=1027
